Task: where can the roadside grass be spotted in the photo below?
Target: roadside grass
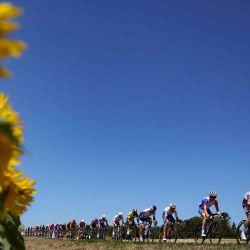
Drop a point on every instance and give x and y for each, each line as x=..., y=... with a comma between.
x=51, y=244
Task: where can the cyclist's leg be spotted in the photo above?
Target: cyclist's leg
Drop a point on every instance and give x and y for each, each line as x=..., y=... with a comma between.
x=247, y=222
x=114, y=228
x=170, y=219
x=142, y=228
x=98, y=231
x=165, y=226
x=130, y=225
x=247, y=211
x=203, y=215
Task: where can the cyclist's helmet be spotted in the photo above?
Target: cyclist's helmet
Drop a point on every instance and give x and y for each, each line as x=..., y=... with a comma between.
x=173, y=206
x=120, y=214
x=213, y=194
x=134, y=211
x=103, y=216
x=82, y=221
x=154, y=208
x=96, y=220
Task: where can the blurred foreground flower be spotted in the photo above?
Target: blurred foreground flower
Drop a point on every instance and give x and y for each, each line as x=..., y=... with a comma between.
x=8, y=48
x=10, y=134
x=16, y=190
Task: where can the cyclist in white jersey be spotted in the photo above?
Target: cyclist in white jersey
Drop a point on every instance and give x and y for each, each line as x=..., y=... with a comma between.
x=167, y=216
x=204, y=209
x=116, y=221
x=246, y=208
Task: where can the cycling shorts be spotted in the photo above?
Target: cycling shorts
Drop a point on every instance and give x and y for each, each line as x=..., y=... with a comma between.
x=131, y=222
x=201, y=210
x=144, y=221
x=102, y=225
x=116, y=223
x=168, y=219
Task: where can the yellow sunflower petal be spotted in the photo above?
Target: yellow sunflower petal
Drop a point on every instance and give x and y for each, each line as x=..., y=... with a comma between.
x=6, y=151
x=8, y=11
x=4, y=73
x=6, y=27
x=18, y=192
x=11, y=48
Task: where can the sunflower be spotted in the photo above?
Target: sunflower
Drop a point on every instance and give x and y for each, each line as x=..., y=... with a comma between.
x=17, y=191
x=9, y=48
x=6, y=152
x=11, y=134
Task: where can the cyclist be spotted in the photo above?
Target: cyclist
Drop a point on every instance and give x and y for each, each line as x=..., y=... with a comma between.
x=94, y=224
x=204, y=209
x=103, y=223
x=132, y=215
x=81, y=229
x=73, y=224
x=82, y=224
x=116, y=221
x=167, y=216
x=145, y=217
x=51, y=229
x=246, y=208
x=93, y=228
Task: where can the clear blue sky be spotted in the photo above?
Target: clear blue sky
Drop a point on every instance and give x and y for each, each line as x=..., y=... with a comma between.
x=133, y=103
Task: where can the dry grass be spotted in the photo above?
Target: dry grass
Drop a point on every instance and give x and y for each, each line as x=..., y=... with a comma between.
x=51, y=244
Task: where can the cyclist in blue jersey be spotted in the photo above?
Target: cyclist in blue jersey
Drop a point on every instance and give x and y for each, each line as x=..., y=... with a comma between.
x=145, y=217
x=103, y=223
x=204, y=209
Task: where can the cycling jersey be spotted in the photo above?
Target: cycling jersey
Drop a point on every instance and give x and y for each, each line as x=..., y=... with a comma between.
x=168, y=214
x=94, y=223
x=146, y=214
x=246, y=206
x=117, y=219
x=206, y=201
x=131, y=215
x=103, y=222
x=82, y=224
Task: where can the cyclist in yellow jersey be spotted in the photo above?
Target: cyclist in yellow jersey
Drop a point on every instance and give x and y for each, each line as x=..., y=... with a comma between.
x=132, y=215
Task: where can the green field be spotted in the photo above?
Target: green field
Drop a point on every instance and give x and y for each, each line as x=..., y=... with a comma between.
x=44, y=243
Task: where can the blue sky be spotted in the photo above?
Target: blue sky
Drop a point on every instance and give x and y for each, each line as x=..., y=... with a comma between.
x=133, y=103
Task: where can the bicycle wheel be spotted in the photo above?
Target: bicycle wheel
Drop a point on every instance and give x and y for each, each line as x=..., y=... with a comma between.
x=114, y=235
x=239, y=230
x=215, y=233
x=172, y=234
x=198, y=238
x=151, y=235
x=133, y=236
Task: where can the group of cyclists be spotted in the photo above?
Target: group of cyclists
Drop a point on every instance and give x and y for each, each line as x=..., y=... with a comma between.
x=148, y=216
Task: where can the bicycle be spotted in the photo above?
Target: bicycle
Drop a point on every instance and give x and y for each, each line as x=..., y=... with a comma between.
x=102, y=233
x=82, y=234
x=239, y=230
x=149, y=233
x=118, y=232
x=172, y=233
x=133, y=233
x=92, y=233
x=212, y=230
